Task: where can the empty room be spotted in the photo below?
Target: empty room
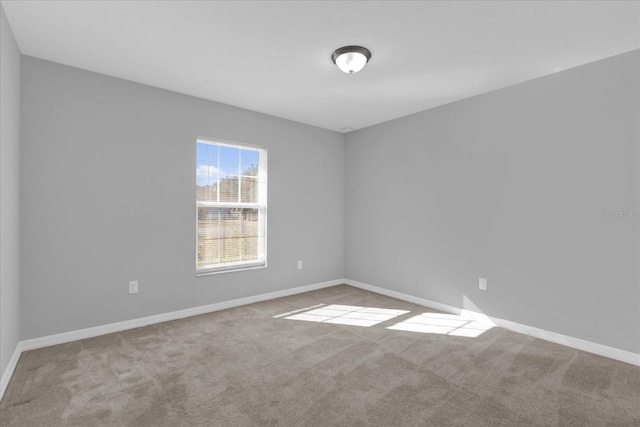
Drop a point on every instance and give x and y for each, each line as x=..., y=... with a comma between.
x=320, y=213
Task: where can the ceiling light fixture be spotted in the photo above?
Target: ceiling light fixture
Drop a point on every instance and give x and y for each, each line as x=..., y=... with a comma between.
x=351, y=59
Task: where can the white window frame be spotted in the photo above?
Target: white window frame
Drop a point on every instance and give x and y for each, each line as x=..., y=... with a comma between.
x=261, y=206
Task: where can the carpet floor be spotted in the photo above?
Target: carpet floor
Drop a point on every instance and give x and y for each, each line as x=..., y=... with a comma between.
x=339, y=356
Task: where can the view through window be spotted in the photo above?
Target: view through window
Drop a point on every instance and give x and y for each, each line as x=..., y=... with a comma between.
x=231, y=204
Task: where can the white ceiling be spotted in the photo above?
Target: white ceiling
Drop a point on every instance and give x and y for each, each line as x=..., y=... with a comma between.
x=274, y=57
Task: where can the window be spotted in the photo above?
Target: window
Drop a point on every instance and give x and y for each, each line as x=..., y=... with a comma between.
x=231, y=206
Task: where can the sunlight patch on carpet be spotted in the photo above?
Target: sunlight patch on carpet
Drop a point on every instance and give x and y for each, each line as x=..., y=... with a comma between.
x=344, y=315
x=443, y=324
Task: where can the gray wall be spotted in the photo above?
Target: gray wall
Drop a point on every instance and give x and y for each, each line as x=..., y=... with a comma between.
x=108, y=196
x=511, y=185
x=9, y=193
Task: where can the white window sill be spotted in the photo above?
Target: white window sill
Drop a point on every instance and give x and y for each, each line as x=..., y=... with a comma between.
x=230, y=270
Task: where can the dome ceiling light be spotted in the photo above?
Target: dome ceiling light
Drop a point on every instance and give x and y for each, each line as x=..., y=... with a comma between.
x=351, y=59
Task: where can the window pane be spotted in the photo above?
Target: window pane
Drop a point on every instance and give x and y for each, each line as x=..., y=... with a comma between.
x=250, y=159
x=208, y=249
x=227, y=235
x=249, y=191
x=229, y=161
x=251, y=234
x=229, y=189
x=206, y=172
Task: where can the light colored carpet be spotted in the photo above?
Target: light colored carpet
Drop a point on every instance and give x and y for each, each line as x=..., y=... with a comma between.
x=243, y=367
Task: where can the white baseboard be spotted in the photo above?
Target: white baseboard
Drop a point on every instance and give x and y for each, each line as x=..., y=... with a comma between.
x=164, y=317
x=65, y=337
x=8, y=372
x=577, y=343
x=31, y=344
x=404, y=297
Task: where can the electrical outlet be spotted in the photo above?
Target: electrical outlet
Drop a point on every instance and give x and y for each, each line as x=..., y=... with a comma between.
x=133, y=287
x=300, y=265
x=483, y=284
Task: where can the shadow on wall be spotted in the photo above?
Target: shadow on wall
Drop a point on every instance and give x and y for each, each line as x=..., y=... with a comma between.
x=466, y=324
